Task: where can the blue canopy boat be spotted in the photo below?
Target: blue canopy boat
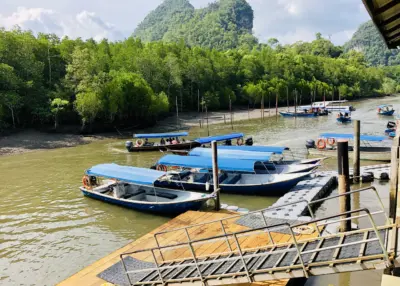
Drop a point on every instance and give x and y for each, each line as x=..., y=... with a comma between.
x=385, y=109
x=237, y=176
x=344, y=117
x=171, y=142
x=134, y=188
x=326, y=145
x=264, y=164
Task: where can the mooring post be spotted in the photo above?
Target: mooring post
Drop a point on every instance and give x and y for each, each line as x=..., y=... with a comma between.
x=200, y=122
x=224, y=119
x=344, y=186
x=356, y=159
x=215, y=174
x=394, y=177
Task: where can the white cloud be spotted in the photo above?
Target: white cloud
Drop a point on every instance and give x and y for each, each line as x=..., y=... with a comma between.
x=84, y=24
x=293, y=20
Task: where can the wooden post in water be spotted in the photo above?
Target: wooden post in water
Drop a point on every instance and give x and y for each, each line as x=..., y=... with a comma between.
x=276, y=105
x=208, y=130
x=394, y=177
x=344, y=186
x=287, y=97
x=215, y=175
x=198, y=100
x=224, y=119
x=356, y=151
x=230, y=109
x=177, y=111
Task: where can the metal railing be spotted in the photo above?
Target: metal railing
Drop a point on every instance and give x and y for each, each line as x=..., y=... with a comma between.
x=264, y=218
x=239, y=251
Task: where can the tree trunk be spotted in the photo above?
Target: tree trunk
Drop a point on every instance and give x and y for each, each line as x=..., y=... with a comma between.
x=12, y=115
x=55, y=122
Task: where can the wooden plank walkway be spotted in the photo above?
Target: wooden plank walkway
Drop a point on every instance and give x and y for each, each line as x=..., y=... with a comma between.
x=88, y=275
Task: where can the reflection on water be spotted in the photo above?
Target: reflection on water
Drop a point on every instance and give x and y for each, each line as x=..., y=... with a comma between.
x=49, y=231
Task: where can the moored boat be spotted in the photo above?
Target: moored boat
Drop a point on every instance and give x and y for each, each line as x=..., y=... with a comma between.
x=171, y=141
x=385, y=109
x=326, y=146
x=265, y=162
x=237, y=176
x=298, y=114
x=134, y=188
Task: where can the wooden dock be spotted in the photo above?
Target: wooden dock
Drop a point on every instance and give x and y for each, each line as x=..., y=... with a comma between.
x=88, y=275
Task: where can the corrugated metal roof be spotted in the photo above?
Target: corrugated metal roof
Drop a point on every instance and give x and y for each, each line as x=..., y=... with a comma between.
x=386, y=16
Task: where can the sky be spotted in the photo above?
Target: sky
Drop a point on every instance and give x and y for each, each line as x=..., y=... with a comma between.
x=287, y=20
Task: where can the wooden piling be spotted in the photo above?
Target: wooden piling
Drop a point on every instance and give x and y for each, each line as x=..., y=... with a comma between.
x=356, y=152
x=200, y=122
x=230, y=109
x=344, y=186
x=215, y=175
x=224, y=119
x=394, y=177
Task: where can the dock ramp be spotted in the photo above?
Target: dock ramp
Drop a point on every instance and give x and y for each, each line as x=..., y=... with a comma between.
x=253, y=255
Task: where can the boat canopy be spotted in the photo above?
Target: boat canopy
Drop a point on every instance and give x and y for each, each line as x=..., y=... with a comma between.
x=207, y=140
x=161, y=135
x=206, y=163
x=268, y=149
x=385, y=105
x=140, y=176
x=351, y=136
x=233, y=154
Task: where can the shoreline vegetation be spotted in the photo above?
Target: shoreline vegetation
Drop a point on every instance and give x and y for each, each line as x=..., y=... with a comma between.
x=30, y=140
x=47, y=81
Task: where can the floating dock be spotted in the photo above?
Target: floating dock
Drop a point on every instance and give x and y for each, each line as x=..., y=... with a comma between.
x=110, y=269
x=90, y=275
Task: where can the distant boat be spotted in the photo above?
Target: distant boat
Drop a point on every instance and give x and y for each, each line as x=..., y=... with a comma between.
x=171, y=141
x=343, y=117
x=237, y=177
x=335, y=105
x=298, y=114
x=386, y=109
x=133, y=188
x=326, y=146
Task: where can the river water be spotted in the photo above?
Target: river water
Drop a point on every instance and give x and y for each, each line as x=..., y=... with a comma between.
x=49, y=231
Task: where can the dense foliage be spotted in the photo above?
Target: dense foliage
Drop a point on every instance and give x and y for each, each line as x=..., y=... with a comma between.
x=47, y=80
x=368, y=41
x=224, y=24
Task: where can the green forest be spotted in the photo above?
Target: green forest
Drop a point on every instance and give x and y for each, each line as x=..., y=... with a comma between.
x=50, y=82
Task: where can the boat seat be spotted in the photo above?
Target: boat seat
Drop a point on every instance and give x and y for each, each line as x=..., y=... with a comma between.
x=232, y=180
x=162, y=195
x=221, y=178
x=138, y=192
x=200, y=178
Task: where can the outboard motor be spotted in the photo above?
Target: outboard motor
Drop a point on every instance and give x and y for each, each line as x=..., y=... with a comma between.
x=249, y=141
x=310, y=144
x=129, y=145
x=391, y=125
x=154, y=167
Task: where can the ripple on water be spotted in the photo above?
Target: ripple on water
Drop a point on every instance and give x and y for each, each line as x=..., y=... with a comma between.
x=48, y=230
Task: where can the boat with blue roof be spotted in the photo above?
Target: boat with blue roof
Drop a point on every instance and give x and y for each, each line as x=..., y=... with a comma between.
x=343, y=117
x=265, y=162
x=236, y=176
x=373, y=148
x=134, y=188
x=385, y=109
x=174, y=141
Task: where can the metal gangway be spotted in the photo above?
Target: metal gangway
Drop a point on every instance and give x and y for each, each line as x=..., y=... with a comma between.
x=325, y=253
